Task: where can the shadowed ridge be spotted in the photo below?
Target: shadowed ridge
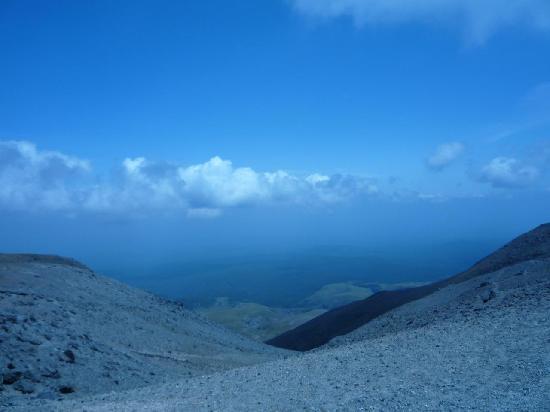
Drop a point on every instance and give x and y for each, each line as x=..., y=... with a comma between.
x=534, y=244
x=37, y=258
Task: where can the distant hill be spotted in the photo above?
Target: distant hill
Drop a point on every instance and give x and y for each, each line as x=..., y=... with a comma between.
x=257, y=321
x=262, y=322
x=337, y=294
x=340, y=321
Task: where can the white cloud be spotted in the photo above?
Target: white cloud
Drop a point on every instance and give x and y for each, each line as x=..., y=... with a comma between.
x=39, y=180
x=317, y=178
x=337, y=187
x=504, y=172
x=133, y=166
x=445, y=155
x=479, y=19
x=140, y=188
x=33, y=179
x=43, y=180
x=218, y=183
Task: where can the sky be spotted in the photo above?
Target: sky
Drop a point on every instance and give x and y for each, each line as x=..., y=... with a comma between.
x=141, y=130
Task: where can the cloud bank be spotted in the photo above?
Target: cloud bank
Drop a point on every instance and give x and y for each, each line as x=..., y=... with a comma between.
x=31, y=179
x=445, y=155
x=479, y=19
x=505, y=172
x=41, y=179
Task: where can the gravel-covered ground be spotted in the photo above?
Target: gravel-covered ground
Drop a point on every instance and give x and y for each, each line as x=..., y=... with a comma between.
x=66, y=332
x=482, y=345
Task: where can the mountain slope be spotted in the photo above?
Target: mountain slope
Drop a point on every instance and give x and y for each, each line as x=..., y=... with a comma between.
x=65, y=329
x=340, y=321
x=481, y=344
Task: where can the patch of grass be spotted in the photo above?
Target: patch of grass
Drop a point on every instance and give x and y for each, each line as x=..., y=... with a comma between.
x=337, y=294
x=257, y=321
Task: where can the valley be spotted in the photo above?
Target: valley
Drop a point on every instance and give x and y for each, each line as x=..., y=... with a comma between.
x=74, y=340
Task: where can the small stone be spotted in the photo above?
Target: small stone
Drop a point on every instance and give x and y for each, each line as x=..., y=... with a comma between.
x=10, y=378
x=487, y=294
x=69, y=356
x=66, y=389
x=51, y=373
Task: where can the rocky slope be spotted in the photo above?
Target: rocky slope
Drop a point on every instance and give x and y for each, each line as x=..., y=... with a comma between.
x=66, y=331
x=482, y=344
x=476, y=342
x=340, y=321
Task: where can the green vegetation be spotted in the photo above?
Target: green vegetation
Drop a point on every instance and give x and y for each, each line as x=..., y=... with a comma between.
x=337, y=294
x=257, y=321
x=262, y=322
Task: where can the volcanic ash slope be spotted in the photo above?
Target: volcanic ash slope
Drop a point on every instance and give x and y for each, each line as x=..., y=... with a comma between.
x=483, y=344
x=66, y=332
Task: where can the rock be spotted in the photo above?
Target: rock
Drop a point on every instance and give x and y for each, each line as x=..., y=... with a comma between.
x=68, y=356
x=487, y=294
x=66, y=389
x=9, y=378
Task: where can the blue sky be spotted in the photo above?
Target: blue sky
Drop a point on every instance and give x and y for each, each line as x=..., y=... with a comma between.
x=220, y=114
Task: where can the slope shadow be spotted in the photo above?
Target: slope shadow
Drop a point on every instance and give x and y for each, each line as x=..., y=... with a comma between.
x=340, y=321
